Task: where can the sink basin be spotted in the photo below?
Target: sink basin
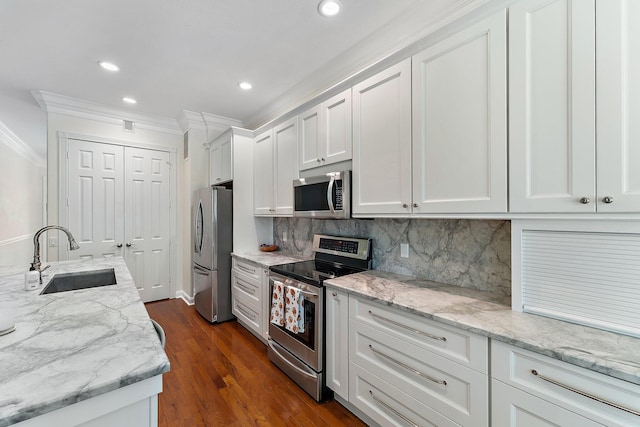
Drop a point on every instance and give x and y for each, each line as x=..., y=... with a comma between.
x=80, y=280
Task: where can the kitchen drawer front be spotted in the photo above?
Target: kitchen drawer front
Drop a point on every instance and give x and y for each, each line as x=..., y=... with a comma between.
x=511, y=407
x=248, y=287
x=457, y=392
x=464, y=347
x=387, y=405
x=245, y=310
x=515, y=366
x=250, y=269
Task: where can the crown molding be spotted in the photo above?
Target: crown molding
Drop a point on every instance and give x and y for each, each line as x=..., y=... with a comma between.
x=189, y=120
x=16, y=144
x=216, y=125
x=61, y=104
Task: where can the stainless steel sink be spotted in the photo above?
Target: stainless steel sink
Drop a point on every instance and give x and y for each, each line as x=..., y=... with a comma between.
x=80, y=280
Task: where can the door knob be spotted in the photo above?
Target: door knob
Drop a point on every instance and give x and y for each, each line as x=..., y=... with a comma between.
x=119, y=245
x=585, y=200
x=607, y=199
x=128, y=245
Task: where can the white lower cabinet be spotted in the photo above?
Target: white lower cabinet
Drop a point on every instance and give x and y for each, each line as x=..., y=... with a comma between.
x=403, y=369
x=532, y=390
x=249, y=289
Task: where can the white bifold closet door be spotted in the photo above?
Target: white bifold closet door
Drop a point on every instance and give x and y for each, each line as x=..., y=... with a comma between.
x=119, y=205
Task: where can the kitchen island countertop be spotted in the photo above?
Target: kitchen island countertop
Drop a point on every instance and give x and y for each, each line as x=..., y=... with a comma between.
x=72, y=346
x=490, y=315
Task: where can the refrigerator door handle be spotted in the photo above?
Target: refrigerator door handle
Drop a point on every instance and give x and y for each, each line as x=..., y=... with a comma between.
x=198, y=233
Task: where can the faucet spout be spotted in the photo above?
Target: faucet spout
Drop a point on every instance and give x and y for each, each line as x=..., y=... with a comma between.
x=73, y=245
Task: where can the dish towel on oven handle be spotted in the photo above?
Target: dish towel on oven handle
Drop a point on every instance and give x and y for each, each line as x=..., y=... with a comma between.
x=277, y=304
x=294, y=314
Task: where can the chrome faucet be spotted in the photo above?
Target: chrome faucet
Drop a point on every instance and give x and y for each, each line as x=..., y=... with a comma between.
x=35, y=265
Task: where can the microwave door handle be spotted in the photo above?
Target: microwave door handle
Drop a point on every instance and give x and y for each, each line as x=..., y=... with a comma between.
x=332, y=181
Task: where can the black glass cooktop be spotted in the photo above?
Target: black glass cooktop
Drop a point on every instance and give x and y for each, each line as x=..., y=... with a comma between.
x=314, y=272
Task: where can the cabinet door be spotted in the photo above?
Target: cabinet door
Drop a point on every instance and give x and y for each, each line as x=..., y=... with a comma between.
x=460, y=121
x=221, y=163
x=215, y=164
x=285, y=168
x=263, y=175
x=618, y=94
x=337, y=332
x=552, y=106
x=309, y=142
x=382, y=142
x=336, y=133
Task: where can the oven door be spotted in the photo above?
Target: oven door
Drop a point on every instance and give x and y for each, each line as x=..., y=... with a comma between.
x=306, y=346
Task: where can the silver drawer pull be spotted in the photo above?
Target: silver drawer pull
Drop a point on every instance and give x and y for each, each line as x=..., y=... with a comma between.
x=245, y=287
x=408, y=328
x=407, y=367
x=585, y=394
x=389, y=408
x=248, y=270
x=249, y=315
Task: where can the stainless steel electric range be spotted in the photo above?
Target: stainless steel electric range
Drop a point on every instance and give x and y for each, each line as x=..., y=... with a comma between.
x=300, y=354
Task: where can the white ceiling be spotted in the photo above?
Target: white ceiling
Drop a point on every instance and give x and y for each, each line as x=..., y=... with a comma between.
x=179, y=55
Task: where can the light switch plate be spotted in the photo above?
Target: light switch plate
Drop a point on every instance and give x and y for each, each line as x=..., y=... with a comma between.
x=404, y=250
x=284, y=236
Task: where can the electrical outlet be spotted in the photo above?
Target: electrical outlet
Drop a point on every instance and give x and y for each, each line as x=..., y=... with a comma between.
x=284, y=236
x=404, y=250
x=53, y=242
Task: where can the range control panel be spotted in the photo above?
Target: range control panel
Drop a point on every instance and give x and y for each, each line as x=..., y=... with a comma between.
x=346, y=246
x=343, y=246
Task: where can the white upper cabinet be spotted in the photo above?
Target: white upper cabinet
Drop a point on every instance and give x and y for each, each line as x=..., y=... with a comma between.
x=460, y=122
x=263, y=188
x=325, y=132
x=552, y=106
x=618, y=106
x=382, y=142
x=275, y=168
x=221, y=160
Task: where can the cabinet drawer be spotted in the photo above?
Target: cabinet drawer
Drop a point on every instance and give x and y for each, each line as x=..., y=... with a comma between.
x=387, y=405
x=515, y=408
x=571, y=387
x=250, y=269
x=457, y=392
x=464, y=347
x=248, y=313
x=245, y=285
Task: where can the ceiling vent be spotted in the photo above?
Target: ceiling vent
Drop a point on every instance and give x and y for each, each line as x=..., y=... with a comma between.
x=127, y=125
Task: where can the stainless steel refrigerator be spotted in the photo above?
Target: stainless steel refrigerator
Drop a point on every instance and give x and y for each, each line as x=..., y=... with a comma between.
x=212, y=235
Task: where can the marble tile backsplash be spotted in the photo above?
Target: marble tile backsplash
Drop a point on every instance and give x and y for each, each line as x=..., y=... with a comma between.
x=469, y=253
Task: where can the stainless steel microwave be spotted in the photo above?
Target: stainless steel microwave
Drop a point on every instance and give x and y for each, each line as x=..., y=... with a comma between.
x=325, y=196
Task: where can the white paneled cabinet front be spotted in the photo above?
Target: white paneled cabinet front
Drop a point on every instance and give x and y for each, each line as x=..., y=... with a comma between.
x=275, y=168
x=221, y=160
x=325, y=132
x=382, y=142
x=460, y=122
x=574, y=139
x=337, y=332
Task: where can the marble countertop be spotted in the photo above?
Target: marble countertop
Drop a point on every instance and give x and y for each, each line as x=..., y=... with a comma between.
x=71, y=346
x=490, y=315
x=267, y=259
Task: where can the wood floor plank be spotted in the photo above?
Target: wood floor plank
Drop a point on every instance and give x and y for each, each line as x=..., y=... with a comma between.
x=221, y=376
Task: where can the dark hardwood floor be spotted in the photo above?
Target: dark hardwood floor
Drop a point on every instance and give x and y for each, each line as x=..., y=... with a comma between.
x=221, y=376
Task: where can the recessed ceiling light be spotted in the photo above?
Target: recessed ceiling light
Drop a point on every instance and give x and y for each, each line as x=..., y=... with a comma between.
x=129, y=100
x=329, y=7
x=245, y=85
x=108, y=66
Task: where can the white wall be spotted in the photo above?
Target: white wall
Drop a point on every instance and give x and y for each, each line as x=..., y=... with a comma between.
x=22, y=175
x=112, y=130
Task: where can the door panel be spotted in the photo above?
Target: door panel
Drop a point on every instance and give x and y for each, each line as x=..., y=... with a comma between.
x=147, y=228
x=95, y=199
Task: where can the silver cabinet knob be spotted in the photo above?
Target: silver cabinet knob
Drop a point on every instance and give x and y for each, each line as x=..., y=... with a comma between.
x=404, y=205
x=318, y=160
x=415, y=205
x=333, y=294
x=585, y=200
x=322, y=158
x=128, y=245
x=119, y=245
x=607, y=199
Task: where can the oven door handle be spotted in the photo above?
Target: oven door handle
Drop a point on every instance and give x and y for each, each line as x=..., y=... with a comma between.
x=283, y=358
x=305, y=293
x=332, y=181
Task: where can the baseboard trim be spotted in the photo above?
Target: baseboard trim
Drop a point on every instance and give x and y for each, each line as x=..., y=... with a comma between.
x=185, y=297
